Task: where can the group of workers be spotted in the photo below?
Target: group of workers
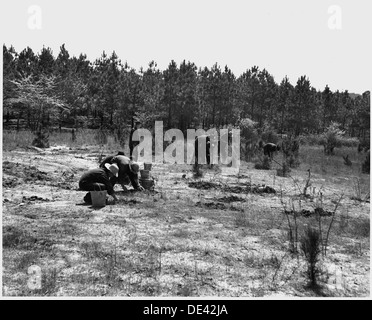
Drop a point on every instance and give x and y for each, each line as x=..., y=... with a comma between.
x=124, y=171
x=114, y=169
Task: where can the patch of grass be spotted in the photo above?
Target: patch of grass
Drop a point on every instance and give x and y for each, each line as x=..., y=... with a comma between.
x=250, y=260
x=313, y=157
x=41, y=139
x=343, y=223
x=26, y=260
x=241, y=219
x=92, y=249
x=109, y=265
x=48, y=284
x=82, y=278
x=355, y=249
x=16, y=238
x=360, y=228
x=264, y=164
x=186, y=290
x=255, y=261
x=271, y=261
x=197, y=172
x=49, y=281
x=366, y=164
x=284, y=170
x=13, y=139
x=258, y=292
x=353, y=227
x=361, y=192
x=68, y=228
x=84, y=137
x=181, y=233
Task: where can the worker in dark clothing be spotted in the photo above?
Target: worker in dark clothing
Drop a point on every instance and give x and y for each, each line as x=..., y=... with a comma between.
x=133, y=144
x=128, y=172
x=99, y=179
x=270, y=148
x=109, y=159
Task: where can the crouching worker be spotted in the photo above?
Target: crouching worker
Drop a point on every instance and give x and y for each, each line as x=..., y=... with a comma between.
x=109, y=159
x=128, y=172
x=99, y=179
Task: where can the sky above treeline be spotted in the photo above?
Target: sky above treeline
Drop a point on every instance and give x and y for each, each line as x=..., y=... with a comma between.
x=328, y=41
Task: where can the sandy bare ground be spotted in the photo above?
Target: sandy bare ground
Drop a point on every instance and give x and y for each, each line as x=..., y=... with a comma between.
x=178, y=240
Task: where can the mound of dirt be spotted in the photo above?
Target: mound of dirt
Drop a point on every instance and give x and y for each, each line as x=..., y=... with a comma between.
x=34, y=198
x=19, y=173
x=10, y=182
x=228, y=199
x=205, y=185
x=240, y=188
x=249, y=189
x=66, y=181
x=216, y=205
x=26, y=173
x=128, y=201
x=308, y=213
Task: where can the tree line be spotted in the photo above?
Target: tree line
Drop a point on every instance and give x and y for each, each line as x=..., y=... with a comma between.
x=42, y=91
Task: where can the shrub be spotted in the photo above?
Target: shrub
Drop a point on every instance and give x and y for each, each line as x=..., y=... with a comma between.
x=364, y=145
x=101, y=137
x=313, y=139
x=361, y=228
x=293, y=161
x=197, y=172
x=41, y=139
x=249, y=137
x=284, y=170
x=264, y=164
x=366, y=164
x=310, y=244
x=241, y=219
x=347, y=161
x=333, y=137
x=291, y=151
x=350, y=142
x=316, y=139
x=268, y=134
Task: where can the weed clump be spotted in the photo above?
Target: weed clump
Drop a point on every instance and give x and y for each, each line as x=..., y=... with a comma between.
x=264, y=164
x=41, y=139
x=290, y=148
x=284, y=170
x=366, y=164
x=101, y=137
x=310, y=244
x=197, y=172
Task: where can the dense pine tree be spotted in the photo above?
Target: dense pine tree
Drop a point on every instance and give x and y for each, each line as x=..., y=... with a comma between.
x=72, y=91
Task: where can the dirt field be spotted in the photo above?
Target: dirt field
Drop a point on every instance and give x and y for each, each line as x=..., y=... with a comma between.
x=223, y=235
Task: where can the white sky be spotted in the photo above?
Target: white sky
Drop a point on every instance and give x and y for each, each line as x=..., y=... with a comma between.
x=287, y=37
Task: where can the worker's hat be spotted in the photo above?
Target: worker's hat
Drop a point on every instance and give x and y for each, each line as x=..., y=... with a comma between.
x=113, y=168
x=134, y=167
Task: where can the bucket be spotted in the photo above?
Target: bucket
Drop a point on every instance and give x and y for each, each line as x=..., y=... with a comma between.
x=147, y=166
x=147, y=184
x=145, y=174
x=98, y=198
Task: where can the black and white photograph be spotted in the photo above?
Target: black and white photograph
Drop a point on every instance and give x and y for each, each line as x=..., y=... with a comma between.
x=186, y=150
